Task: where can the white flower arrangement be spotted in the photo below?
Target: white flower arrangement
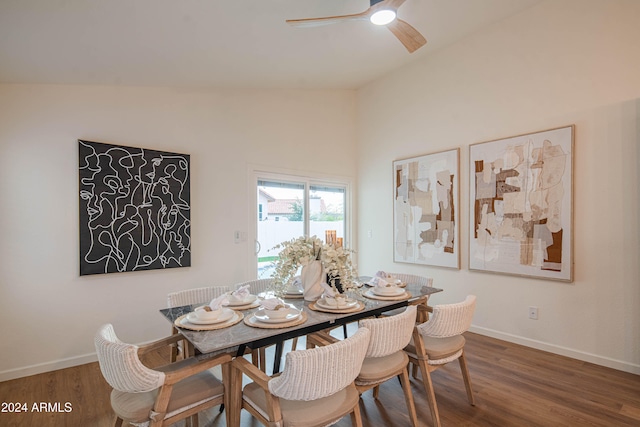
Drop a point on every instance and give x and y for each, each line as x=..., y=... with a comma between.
x=299, y=252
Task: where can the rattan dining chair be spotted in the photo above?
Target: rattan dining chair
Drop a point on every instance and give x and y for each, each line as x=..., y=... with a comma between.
x=256, y=287
x=159, y=396
x=385, y=358
x=422, y=302
x=316, y=387
x=183, y=348
x=438, y=342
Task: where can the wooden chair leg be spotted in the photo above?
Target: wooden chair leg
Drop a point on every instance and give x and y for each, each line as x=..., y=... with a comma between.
x=408, y=396
x=356, y=418
x=233, y=396
x=294, y=344
x=188, y=350
x=173, y=356
x=263, y=359
x=118, y=422
x=431, y=396
x=376, y=391
x=467, y=379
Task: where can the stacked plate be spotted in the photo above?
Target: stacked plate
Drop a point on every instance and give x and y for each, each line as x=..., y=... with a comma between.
x=388, y=291
x=391, y=280
x=291, y=315
x=331, y=304
x=249, y=302
x=293, y=293
x=192, y=318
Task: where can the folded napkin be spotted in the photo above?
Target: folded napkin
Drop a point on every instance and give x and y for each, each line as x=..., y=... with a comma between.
x=272, y=303
x=328, y=290
x=217, y=302
x=242, y=293
x=382, y=274
x=379, y=282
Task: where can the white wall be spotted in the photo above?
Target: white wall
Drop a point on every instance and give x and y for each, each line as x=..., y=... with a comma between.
x=48, y=313
x=559, y=63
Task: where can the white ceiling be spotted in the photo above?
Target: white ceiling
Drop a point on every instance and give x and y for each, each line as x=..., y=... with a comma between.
x=216, y=43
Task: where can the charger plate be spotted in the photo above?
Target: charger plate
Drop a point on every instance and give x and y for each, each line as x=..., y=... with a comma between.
x=293, y=296
x=358, y=307
x=369, y=294
x=182, y=322
x=254, y=304
x=252, y=321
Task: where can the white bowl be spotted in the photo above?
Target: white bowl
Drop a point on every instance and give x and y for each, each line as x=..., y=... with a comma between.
x=338, y=302
x=203, y=314
x=280, y=313
x=386, y=290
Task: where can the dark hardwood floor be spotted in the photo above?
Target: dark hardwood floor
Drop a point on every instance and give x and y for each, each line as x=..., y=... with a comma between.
x=513, y=386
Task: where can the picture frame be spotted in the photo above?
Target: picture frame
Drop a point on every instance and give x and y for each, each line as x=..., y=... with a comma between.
x=426, y=209
x=521, y=205
x=134, y=208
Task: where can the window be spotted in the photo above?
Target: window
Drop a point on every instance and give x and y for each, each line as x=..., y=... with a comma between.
x=292, y=206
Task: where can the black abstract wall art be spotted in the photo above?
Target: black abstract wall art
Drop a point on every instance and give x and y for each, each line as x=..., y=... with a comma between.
x=135, y=208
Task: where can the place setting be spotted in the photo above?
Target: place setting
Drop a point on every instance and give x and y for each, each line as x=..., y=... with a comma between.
x=386, y=288
x=294, y=290
x=210, y=316
x=334, y=302
x=388, y=278
x=241, y=299
x=275, y=313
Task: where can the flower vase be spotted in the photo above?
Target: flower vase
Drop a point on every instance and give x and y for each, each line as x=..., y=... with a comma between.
x=335, y=281
x=311, y=278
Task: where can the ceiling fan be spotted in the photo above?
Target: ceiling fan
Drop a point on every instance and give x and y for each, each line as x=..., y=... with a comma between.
x=380, y=12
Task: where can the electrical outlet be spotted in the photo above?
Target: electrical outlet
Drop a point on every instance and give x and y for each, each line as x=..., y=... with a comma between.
x=533, y=313
x=370, y=233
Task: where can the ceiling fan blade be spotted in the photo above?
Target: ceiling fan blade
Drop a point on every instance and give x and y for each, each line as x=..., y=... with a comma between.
x=408, y=36
x=314, y=22
x=394, y=4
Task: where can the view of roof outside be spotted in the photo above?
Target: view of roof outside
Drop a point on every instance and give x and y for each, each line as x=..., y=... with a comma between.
x=281, y=217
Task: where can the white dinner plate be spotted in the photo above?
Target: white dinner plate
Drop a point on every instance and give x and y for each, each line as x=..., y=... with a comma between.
x=250, y=299
x=224, y=316
x=398, y=291
x=262, y=317
x=350, y=302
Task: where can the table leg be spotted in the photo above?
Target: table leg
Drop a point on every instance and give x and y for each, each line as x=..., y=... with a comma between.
x=277, y=357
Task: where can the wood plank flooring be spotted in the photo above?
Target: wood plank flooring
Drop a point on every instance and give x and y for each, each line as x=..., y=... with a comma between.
x=513, y=386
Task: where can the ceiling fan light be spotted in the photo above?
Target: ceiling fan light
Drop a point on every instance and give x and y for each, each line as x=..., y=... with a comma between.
x=383, y=17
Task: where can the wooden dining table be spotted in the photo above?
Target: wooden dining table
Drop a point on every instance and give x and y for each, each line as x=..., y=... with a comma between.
x=237, y=338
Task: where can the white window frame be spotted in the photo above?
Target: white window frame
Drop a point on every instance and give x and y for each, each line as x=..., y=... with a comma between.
x=260, y=172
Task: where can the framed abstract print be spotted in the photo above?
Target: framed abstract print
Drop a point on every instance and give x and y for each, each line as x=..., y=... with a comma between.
x=135, y=209
x=521, y=205
x=426, y=210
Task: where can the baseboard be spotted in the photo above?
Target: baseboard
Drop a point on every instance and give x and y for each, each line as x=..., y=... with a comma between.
x=556, y=349
x=53, y=365
x=41, y=368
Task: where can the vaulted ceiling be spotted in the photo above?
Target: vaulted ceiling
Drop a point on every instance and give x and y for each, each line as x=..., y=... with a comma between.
x=216, y=43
